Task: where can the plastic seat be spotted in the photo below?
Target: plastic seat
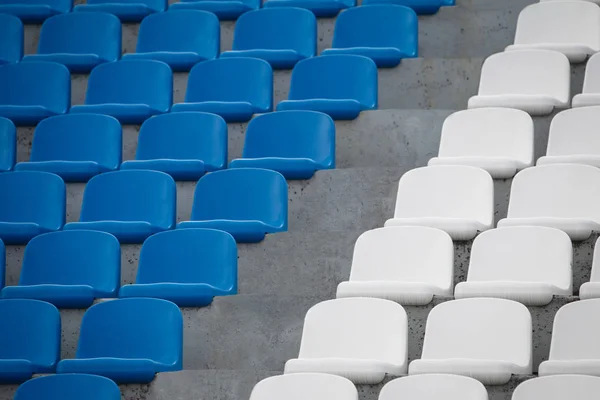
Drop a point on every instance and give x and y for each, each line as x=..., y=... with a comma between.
x=68, y=387
x=8, y=144
x=125, y=10
x=11, y=39
x=293, y=143
x=131, y=205
x=558, y=387
x=131, y=91
x=33, y=91
x=485, y=339
x=280, y=36
x=35, y=11
x=322, y=84
x=128, y=340
x=223, y=9
x=234, y=88
x=188, y=267
x=563, y=196
x=389, y=263
x=75, y=146
x=179, y=38
x=431, y=387
x=454, y=198
x=184, y=145
x=304, y=386
x=32, y=203
x=573, y=347
x=69, y=269
x=247, y=203
x=424, y=7
x=534, y=81
x=591, y=289
x=528, y=264
x=570, y=27
x=360, y=339
x=387, y=34
x=29, y=339
x=591, y=84
x=321, y=8
x=499, y=140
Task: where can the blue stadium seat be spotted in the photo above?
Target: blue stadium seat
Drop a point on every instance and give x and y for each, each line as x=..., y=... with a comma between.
x=423, y=7
x=8, y=144
x=35, y=11
x=280, y=36
x=184, y=145
x=234, y=88
x=11, y=39
x=246, y=202
x=69, y=269
x=321, y=8
x=388, y=34
x=131, y=91
x=33, y=91
x=202, y=263
x=179, y=38
x=223, y=9
x=128, y=340
x=79, y=41
x=32, y=203
x=125, y=10
x=68, y=387
x=29, y=339
x=131, y=205
x=293, y=143
x=323, y=84
x=75, y=146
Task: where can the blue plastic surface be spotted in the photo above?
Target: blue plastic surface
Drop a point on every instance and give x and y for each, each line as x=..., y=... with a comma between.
x=79, y=41
x=68, y=387
x=338, y=85
x=423, y=7
x=35, y=11
x=179, y=38
x=125, y=10
x=33, y=91
x=187, y=266
x=280, y=36
x=321, y=8
x=11, y=39
x=29, y=339
x=234, y=88
x=184, y=145
x=248, y=203
x=129, y=340
x=131, y=91
x=223, y=9
x=69, y=269
x=388, y=34
x=8, y=144
x=32, y=203
x=131, y=205
x=75, y=146
x=293, y=143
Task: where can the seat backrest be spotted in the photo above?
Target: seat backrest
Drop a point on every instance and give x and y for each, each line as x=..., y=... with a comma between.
x=292, y=134
x=62, y=6
x=74, y=258
x=575, y=331
x=301, y=386
x=558, y=387
x=336, y=77
x=575, y=131
x=591, y=82
x=68, y=387
x=11, y=39
x=184, y=135
x=156, y=5
x=133, y=328
x=78, y=137
x=430, y=387
x=8, y=144
x=381, y=25
x=277, y=29
x=130, y=195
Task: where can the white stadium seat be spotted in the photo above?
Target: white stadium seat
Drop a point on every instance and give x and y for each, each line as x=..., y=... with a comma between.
x=485, y=339
x=591, y=84
x=563, y=196
x=534, y=81
x=528, y=264
x=306, y=386
x=559, y=387
x=570, y=27
x=408, y=264
x=455, y=198
x=499, y=140
x=591, y=289
x=432, y=386
x=361, y=339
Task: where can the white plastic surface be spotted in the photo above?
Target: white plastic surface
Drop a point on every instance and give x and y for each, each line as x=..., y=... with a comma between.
x=534, y=81
x=574, y=348
x=486, y=339
x=528, y=264
x=590, y=1
x=457, y=199
x=559, y=387
x=499, y=140
x=570, y=27
x=591, y=289
x=563, y=196
x=591, y=84
x=361, y=339
x=434, y=387
x=407, y=264
x=304, y=387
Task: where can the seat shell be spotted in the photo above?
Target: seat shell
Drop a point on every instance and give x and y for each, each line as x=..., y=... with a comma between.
x=558, y=387
x=35, y=11
x=305, y=386
x=125, y=10
x=429, y=387
x=422, y=7
x=590, y=95
x=8, y=144
x=11, y=38
x=225, y=10
x=68, y=387
x=321, y=8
